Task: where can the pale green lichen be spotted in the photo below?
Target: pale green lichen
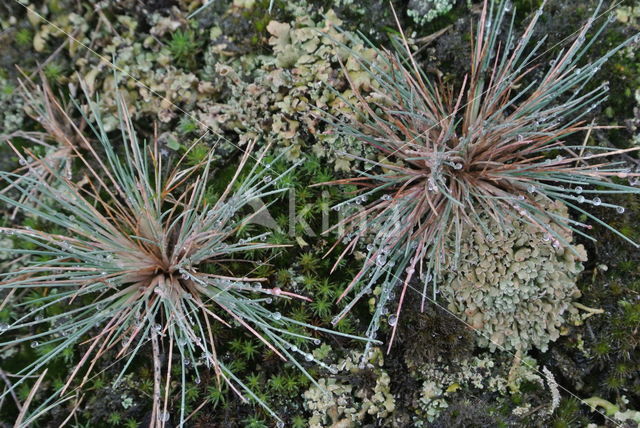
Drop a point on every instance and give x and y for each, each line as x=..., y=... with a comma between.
x=424, y=11
x=634, y=123
x=444, y=379
x=273, y=98
x=146, y=76
x=6, y=245
x=336, y=402
x=276, y=98
x=516, y=290
x=11, y=108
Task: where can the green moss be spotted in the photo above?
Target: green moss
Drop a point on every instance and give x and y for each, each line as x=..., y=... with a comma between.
x=198, y=154
x=602, y=349
x=298, y=421
x=255, y=422
x=54, y=72
x=627, y=266
x=309, y=262
x=131, y=423
x=192, y=392
x=613, y=383
x=184, y=48
x=568, y=414
x=24, y=37
x=187, y=125
x=216, y=395
x=114, y=418
x=321, y=308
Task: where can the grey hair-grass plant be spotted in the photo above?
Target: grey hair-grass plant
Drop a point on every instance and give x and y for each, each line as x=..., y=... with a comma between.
x=450, y=154
x=56, y=142
x=132, y=265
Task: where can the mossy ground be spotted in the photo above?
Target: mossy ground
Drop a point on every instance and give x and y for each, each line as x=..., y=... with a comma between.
x=600, y=357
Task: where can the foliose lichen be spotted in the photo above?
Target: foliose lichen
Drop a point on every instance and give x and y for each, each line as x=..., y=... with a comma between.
x=633, y=123
x=340, y=403
x=448, y=381
x=442, y=379
x=11, y=108
x=424, y=11
x=277, y=98
x=516, y=290
x=146, y=75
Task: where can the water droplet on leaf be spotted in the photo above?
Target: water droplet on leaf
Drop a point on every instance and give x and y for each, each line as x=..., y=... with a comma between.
x=393, y=320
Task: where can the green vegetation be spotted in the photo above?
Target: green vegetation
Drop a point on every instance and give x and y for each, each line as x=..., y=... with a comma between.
x=184, y=48
x=176, y=106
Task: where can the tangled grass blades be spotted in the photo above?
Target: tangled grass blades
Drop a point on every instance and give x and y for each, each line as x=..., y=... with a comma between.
x=494, y=143
x=140, y=256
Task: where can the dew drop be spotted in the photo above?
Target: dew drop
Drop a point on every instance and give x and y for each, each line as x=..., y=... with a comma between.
x=276, y=316
x=580, y=199
x=578, y=189
x=381, y=259
x=308, y=357
x=508, y=6
x=393, y=320
x=316, y=341
x=164, y=416
x=267, y=179
x=277, y=291
x=531, y=188
x=34, y=344
x=597, y=201
x=620, y=210
x=4, y=327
